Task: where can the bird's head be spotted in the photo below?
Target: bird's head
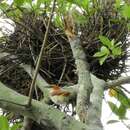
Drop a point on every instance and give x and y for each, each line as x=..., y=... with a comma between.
x=56, y=87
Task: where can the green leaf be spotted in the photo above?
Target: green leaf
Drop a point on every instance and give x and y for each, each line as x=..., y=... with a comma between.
x=22, y=2
x=102, y=55
x=128, y=26
x=112, y=121
x=79, y=18
x=28, y=1
x=27, y=6
x=99, y=54
x=85, y=4
x=39, y=2
x=122, y=112
x=4, y=125
x=58, y=21
x=116, y=51
x=103, y=52
x=123, y=99
x=4, y=6
x=105, y=41
x=113, y=107
x=117, y=4
x=14, y=14
x=16, y=126
x=64, y=6
x=19, y=2
x=112, y=43
x=126, y=11
x=102, y=59
x=81, y=3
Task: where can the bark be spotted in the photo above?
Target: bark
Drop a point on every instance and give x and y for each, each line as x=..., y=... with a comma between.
x=119, y=81
x=40, y=82
x=53, y=119
x=84, y=81
x=27, y=124
x=94, y=110
x=40, y=112
x=88, y=102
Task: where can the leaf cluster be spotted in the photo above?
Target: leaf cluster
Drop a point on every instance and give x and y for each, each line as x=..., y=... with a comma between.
x=109, y=48
x=124, y=103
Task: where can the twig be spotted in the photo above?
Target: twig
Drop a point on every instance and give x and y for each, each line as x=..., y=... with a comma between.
x=126, y=125
x=63, y=72
x=36, y=92
x=121, y=80
x=29, y=29
x=125, y=89
x=40, y=57
x=64, y=67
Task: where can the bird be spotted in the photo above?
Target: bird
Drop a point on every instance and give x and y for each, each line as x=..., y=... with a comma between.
x=59, y=96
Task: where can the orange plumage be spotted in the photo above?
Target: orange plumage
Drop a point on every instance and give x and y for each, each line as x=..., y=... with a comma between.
x=59, y=95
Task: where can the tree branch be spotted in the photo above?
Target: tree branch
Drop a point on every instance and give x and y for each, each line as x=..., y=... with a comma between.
x=84, y=81
x=40, y=82
x=94, y=110
x=119, y=81
x=40, y=112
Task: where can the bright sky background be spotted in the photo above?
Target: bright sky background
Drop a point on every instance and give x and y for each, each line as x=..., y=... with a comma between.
x=108, y=115
x=106, y=112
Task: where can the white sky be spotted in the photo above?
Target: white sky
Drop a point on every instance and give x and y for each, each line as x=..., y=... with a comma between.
x=106, y=112
x=108, y=115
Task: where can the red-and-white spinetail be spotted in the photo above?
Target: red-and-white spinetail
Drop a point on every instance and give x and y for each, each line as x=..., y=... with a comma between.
x=58, y=95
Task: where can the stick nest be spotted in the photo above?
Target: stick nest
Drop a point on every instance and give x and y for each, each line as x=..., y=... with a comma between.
x=25, y=43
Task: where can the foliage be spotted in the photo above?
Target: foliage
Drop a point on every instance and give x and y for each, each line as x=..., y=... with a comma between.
x=124, y=101
x=108, y=49
x=126, y=11
x=85, y=6
x=5, y=125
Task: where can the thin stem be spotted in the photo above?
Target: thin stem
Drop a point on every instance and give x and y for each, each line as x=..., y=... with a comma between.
x=40, y=57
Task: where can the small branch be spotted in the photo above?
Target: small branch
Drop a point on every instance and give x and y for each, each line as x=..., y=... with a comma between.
x=125, y=89
x=29, y=29
x=125, y=124
x=40, y=82
x=63, y=72
x=40, y=56
x=117, y=82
